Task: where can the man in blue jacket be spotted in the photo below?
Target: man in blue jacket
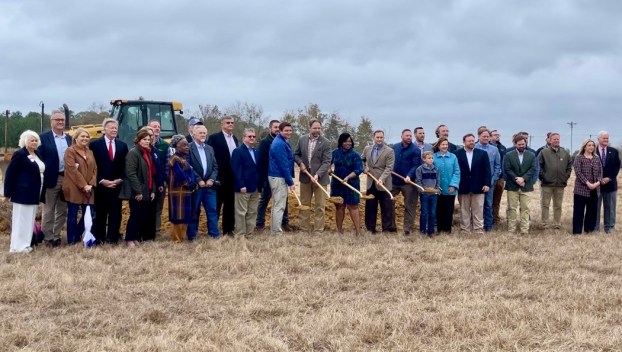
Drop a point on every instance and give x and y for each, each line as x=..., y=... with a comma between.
x=280, y=175
x=52, y=150
x=245, y=180
x=407, y=160
x=495, y=168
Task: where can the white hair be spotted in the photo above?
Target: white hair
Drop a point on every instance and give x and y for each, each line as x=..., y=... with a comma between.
x=603, y=133
x=248, y=130
x=26, y=135
x=109, y=120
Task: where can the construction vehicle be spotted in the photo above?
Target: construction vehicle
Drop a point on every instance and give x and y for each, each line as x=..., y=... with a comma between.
x=134, y=114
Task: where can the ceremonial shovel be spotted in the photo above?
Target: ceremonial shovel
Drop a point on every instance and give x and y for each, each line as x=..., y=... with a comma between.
x=364, y=196
x=383, y=187
x=335, y=200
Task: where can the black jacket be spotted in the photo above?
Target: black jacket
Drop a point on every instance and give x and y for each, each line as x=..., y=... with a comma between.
x=474, y=179
x=22, y=181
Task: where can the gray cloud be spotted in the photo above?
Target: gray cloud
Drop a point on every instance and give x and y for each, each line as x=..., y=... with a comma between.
x=513, y=65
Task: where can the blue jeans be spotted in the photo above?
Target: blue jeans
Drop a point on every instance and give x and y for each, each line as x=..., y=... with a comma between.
x=488, y=217
x=75, y=228
x=607, y=202
x=207, y=197
x=427, y=219
x=264, y=199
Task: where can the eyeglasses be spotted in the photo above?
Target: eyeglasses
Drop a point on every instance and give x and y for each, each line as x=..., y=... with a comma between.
x=229, y=122
x=250, y=136
x=57, y=120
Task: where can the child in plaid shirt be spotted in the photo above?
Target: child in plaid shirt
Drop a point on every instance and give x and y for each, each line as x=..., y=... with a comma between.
x=427, y=176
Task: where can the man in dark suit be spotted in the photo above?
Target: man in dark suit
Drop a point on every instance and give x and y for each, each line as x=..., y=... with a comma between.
x=609, y=185
x=224, y=142
x=205, y=166
x=245, y=181
x=519, y=165
x=263, y=157
x=313, y=155
x=52, y=150
x=110, y=153
x=475, y=178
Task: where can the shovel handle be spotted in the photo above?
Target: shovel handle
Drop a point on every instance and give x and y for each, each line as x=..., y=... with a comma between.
x=317, y=183
x=383, y=187
x=347, y=185
x=297, y=198
x=409, y=181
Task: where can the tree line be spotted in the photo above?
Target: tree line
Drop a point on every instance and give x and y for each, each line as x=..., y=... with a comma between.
x=246, y=115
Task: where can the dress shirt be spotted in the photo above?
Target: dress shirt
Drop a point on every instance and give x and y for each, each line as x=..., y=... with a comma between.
x=203, y=156
x=230, y=141
x=469, y=155
x=61, y=146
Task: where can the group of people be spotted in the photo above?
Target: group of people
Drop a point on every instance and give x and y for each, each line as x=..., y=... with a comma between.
x=233, y=181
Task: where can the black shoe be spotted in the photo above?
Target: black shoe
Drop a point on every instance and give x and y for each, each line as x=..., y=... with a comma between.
x=54, y=243
x=287, y=228
x=406, y=233
x=259, y=228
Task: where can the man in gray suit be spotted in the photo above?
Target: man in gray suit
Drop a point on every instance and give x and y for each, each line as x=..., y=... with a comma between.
x=378, y=160
x=203, y=161
x=313, y=155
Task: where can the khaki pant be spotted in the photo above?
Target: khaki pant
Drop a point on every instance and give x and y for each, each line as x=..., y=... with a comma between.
x=546, y=194
x=307, y=192
x=54, y=212
x=279, y=200
x=245, y=212
x=516, y=199
x=471, y=211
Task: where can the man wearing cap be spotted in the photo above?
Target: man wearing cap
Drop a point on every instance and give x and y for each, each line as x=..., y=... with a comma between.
x=191, y=123
x=224, y=143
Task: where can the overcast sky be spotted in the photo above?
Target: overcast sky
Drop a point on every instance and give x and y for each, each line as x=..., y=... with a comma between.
x=512, y=64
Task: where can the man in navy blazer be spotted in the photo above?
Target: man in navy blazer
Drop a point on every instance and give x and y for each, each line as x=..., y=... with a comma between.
x=609, y=185
x=224, y=142
x=203, y=161
x=52, y=150
x=110, y=153
x=475, y=182
x=245, y=182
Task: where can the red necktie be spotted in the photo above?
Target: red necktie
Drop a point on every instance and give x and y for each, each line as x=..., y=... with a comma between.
x=110, y=151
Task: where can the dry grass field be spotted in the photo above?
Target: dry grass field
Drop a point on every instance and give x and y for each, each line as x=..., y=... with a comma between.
x=501, y=291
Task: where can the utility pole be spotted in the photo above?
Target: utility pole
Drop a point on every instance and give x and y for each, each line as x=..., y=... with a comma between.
x=6, y=132
x=42, y=105
x=571, y=124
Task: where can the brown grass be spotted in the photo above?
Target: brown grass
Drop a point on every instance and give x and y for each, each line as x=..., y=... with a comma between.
x=500, y=291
